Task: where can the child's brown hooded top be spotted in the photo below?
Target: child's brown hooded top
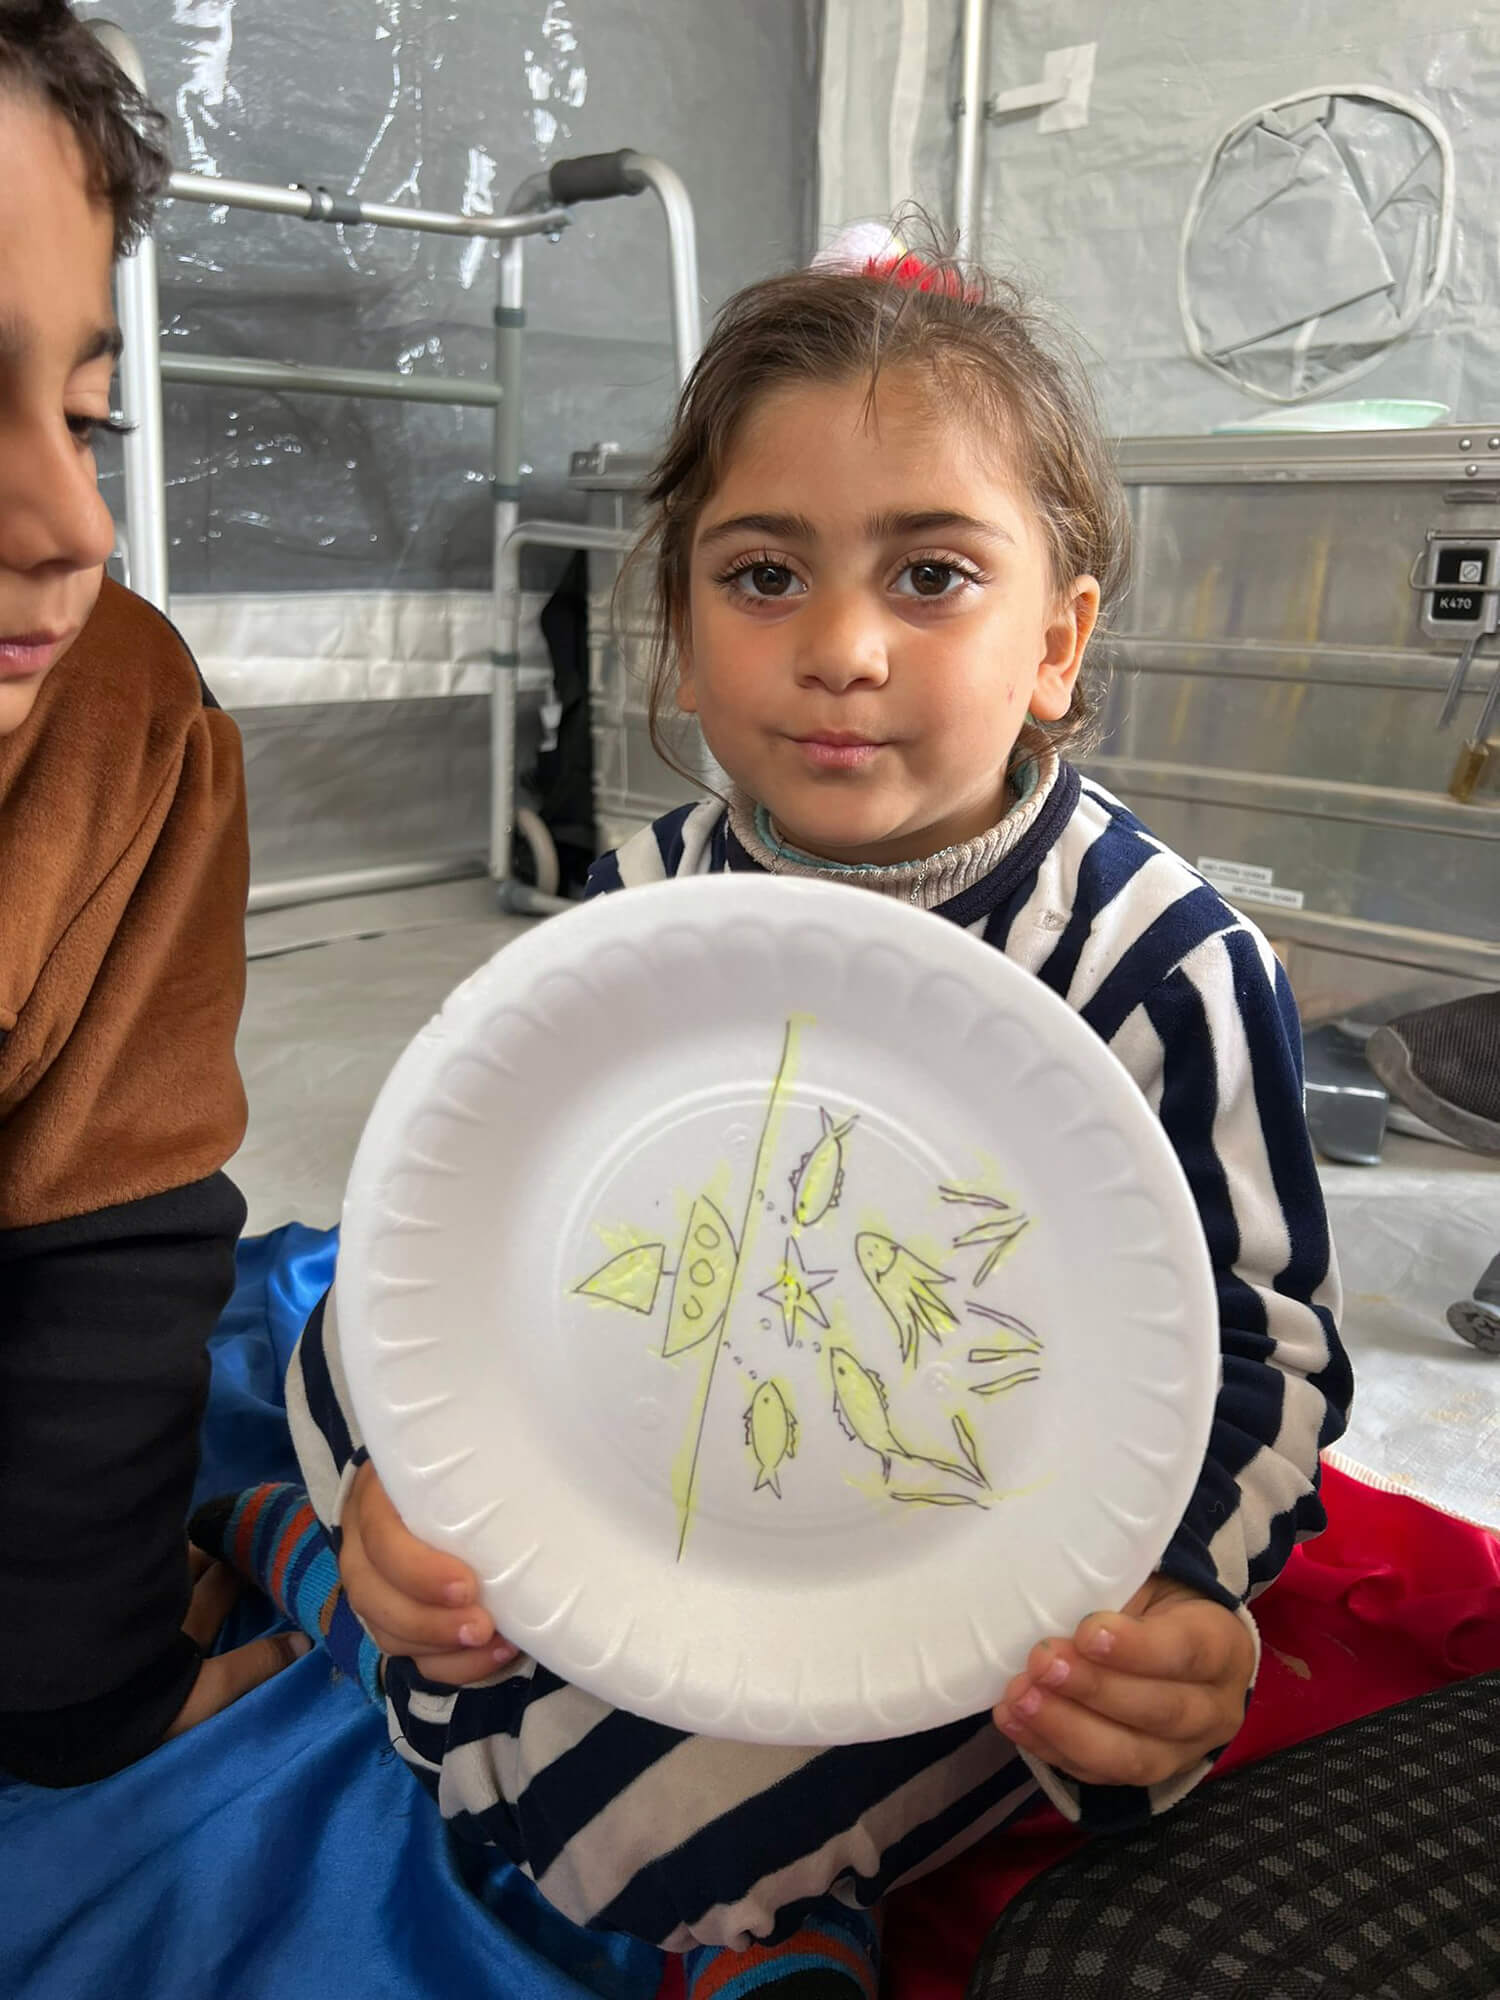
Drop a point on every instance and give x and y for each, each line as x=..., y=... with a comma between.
x=123, y=871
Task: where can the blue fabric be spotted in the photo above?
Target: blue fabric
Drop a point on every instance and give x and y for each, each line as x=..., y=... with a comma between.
x=280, y=1848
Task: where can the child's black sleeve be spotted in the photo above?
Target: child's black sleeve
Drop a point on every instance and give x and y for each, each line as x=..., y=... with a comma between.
x=123, y=856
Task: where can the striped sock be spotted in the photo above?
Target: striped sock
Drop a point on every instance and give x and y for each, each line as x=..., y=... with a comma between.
x=834, y=1956
x=271, y=1536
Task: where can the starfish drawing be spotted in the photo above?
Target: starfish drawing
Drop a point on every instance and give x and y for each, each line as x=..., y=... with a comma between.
x=795, y=1290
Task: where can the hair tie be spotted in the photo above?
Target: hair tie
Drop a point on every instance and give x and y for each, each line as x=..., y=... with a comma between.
x=871, y=250
x=859, y=249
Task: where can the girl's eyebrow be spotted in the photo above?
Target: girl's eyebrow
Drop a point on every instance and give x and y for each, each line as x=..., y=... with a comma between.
x=780, y=527
x=886, y=527
x=17, y=341
x=104, y=340
x=878, y=527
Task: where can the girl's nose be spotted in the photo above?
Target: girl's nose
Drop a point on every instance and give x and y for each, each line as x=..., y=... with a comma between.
x=52, y=515
x=843, y=644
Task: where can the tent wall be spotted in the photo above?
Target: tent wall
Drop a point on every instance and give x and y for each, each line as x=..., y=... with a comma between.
x=1092, y=217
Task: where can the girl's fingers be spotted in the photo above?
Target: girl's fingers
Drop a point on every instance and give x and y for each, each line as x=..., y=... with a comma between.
x=463, y=1669
x=394, y=1553
x=1179, y=1639
x=1177, y=1712
x=401, y=1624
x=1093, y=1749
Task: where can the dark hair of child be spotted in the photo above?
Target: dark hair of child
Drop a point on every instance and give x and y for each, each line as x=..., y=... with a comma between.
x=49, y=55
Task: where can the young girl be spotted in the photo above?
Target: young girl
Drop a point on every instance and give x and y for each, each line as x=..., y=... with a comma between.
x=884, y=527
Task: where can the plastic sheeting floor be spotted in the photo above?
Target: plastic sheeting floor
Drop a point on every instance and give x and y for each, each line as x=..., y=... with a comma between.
x=337, y=990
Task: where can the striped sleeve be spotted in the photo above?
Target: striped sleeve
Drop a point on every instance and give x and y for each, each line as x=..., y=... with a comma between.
x=325, y=1432
x=1192, y=1000
x=1228, y=1085
x=682, y=842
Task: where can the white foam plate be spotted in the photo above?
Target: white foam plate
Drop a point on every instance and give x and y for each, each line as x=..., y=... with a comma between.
x=786, y=1304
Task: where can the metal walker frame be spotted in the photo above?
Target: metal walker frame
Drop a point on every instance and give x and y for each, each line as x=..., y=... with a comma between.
x=539, y=206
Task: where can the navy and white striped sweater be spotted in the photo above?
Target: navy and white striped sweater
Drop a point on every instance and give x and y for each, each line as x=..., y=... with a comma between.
x=680, y=1840
x=1192, y=1000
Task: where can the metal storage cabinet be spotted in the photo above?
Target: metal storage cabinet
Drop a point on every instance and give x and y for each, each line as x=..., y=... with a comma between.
x=1276, y=703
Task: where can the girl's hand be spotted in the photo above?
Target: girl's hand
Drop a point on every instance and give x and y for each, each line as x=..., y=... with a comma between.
x=415, y=1602
x=1134, y=1697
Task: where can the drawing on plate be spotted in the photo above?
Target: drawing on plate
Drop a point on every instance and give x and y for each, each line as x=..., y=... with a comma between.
x=704, y=1280
x=631, y=1280
x=771, y=1433
x=1022, y=1347
x=1005, y=1225
x=823, y=1307
x=907, y=1288
x=795, y=1289
x=862, y=1407
x=818, y=1177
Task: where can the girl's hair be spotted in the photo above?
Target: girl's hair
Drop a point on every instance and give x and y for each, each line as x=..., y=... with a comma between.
x=47, y=52
x=985, y=352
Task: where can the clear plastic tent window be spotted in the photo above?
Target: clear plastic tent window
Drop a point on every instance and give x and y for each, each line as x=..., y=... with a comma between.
x=1319, y=232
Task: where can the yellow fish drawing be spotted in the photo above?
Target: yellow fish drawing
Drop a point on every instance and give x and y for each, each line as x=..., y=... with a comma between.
x=863, y=1410
x=771, y=1433
x=703, y=1280
x=632, y=1279
x=819, y=1178
x=907, y=1288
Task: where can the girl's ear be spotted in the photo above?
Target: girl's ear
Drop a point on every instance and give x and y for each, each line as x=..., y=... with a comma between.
x=1066, y=640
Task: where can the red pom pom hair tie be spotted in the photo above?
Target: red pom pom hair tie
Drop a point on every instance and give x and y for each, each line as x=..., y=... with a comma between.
x=923, y=277
x=870, y=250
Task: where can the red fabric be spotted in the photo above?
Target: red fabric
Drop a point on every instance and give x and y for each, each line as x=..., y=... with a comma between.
x=1392, y=1601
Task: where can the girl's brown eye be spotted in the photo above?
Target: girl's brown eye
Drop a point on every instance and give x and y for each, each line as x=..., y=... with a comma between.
x=931, y=579
x=763, y=581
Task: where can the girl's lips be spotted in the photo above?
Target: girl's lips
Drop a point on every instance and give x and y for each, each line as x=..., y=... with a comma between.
x=837, y=751
x=23, y=655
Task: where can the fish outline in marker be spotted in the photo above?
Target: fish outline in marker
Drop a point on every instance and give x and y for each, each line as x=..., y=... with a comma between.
x=862, y=1407
x=818, y=1177
x=771, y=1434
x=906, y=1287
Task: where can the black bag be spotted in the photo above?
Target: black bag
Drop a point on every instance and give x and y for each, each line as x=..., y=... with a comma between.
x=565, y=773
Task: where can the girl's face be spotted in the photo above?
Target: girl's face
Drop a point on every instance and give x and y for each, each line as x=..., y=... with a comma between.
x=58, y=341
x=870, y=616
